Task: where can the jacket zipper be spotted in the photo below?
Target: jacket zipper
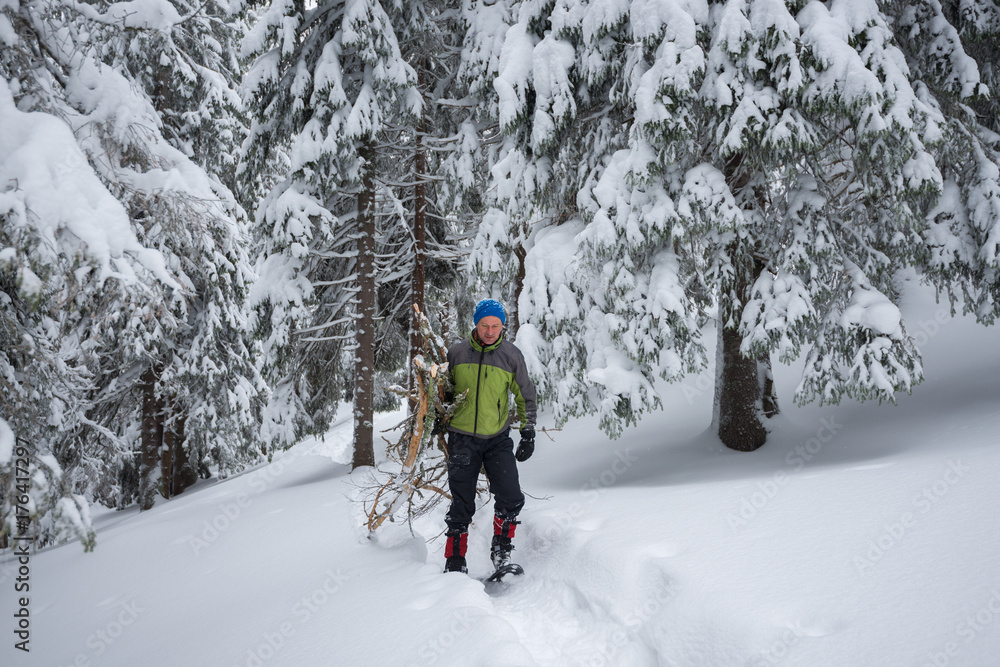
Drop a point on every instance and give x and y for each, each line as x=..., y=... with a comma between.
x=479, y=376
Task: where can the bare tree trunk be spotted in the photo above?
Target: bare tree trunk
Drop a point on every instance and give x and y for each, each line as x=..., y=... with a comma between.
x=185, y=470
x=177, y=472
x=167, y=454
x=739, y=392
x=744, y=386
x=151, y=441
x=364, y=353
x=515, y=317
x=444, y=321
x=419, y=237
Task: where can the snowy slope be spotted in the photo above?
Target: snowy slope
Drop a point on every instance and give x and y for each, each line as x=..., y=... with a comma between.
x=859, y=535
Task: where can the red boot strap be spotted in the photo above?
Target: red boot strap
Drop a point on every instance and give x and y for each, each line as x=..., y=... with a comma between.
x=461, y=541
x=504, y=527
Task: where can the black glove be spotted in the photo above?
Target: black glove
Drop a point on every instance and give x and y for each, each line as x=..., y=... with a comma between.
x=438, y=427
x=527, y=445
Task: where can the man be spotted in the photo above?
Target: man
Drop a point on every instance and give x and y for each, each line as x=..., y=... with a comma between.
x=491, y=369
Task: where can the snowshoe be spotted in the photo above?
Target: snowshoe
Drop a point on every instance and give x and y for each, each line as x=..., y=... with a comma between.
x=503, y=529
x=503, y=571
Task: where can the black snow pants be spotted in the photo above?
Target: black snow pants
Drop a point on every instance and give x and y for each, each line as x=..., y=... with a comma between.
x=466, y=455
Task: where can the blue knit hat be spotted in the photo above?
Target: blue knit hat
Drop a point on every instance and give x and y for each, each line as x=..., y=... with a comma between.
x=488, y=307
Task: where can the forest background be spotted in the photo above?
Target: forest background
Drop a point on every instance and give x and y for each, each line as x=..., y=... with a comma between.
x=215, y=217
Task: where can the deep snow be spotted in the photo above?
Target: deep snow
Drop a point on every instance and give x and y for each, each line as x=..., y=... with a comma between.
x=859, y=535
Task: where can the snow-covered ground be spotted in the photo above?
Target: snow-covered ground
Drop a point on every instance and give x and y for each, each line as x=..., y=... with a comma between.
x=859, y=535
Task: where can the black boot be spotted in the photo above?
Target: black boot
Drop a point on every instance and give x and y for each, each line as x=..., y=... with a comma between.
x=454, y=551
x=503, y=531
x=500, y=551
x=456, y=564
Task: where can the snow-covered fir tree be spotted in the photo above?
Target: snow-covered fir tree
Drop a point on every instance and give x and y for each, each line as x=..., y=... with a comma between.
x=65, y=244
x=783, y=159
x=564, y=99
x=950, y=57
x=437, y=176
x=498, y=252
x=198, y=384
x=640, y=168
x=144, y=298
x=329, y=81
x=70, y=259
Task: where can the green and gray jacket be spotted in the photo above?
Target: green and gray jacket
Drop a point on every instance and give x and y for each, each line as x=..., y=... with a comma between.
x=491, y=375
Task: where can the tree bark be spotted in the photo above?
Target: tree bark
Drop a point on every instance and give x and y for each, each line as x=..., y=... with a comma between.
x=515, y=316
x=151, y=440
x=167, y=455
x=419, y=238
x=185, y=470
x=744, y=388
x=364, y=353
x=740, y=426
